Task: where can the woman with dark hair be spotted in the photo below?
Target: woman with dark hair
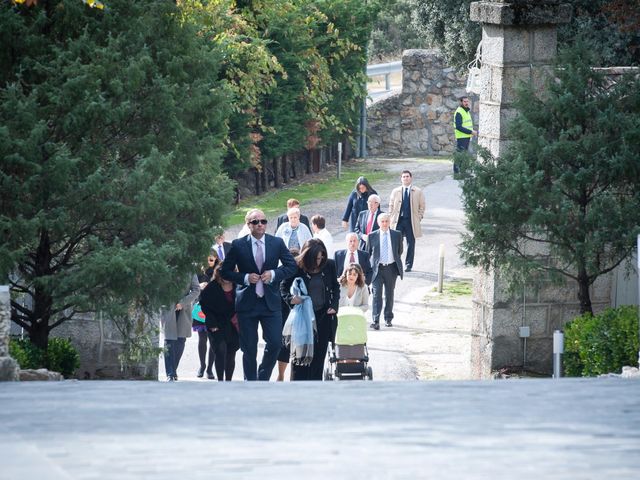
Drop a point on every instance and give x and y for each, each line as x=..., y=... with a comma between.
x=319, y=276
x=204, y=277
x=218, y=304
x=356, y=203
x=353, y=289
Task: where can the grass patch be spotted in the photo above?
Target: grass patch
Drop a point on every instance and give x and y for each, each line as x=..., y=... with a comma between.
x=457, y=288
x=274, y=202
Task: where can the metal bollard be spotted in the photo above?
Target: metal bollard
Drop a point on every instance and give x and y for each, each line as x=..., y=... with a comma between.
x=558, y=350
x=441, y=269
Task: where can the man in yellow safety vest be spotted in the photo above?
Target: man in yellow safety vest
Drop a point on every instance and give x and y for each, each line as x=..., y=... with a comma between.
x=463, y=125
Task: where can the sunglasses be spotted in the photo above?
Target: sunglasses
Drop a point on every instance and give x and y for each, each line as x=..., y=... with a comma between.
x=256, y=222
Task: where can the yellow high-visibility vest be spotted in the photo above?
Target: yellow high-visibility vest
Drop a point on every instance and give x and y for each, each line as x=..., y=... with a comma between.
x=467, y=122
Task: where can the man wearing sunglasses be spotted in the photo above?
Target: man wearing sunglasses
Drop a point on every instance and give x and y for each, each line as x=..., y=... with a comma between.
x=256, y=257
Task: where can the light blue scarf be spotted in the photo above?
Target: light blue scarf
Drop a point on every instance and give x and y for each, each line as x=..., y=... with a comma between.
x=300, y=326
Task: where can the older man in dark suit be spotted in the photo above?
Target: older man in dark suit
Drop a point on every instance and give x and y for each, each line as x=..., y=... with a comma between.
x=385, y=248
x=350, y=255
x=368, y=220
x=256, y=256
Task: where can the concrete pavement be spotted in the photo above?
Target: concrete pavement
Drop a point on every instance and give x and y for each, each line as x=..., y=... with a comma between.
x=571, y=429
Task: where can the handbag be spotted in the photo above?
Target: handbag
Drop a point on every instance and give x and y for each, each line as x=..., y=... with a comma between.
x=197, y=314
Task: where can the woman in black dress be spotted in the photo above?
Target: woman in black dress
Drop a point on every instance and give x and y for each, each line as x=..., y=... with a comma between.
x=319, y=275
x=218, y=304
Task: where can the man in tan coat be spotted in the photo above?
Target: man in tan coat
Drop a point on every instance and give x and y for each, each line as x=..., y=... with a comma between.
x=406, y=207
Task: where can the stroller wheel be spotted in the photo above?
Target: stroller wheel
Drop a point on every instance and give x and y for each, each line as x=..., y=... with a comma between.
x=370, y=373
x=327, y=375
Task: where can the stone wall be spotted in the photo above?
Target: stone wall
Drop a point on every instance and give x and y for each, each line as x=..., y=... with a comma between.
x=419, y=119
x=99, y=343
x=8, y=366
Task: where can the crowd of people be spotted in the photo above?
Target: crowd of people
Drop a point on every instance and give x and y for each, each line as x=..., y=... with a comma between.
x=259, y=279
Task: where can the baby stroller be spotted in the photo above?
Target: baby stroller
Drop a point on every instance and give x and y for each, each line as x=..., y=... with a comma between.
x=348, y=355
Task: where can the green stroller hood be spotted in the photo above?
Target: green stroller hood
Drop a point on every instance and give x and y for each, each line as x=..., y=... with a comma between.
x=352, y=327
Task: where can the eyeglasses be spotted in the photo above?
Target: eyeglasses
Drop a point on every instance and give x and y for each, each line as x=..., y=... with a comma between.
x=256, y=222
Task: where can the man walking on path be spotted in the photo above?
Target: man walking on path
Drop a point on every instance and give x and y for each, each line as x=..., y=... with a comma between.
x=406, y=207
x=256, y=256
x=385, y=248
x=350, y=255
x=463, y=127
x=368, y=220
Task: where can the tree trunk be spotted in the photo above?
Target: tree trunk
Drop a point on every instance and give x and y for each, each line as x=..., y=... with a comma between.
x=285, y=171
x=276, y=177
x=257, y=182
x=583, y=292
x=263, y=178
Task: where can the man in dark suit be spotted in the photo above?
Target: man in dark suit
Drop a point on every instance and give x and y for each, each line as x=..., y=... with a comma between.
x=256, y=256
x=350, y=255
x=368, y=220
x=385, y=248
x=220, y=247
x=284, y=218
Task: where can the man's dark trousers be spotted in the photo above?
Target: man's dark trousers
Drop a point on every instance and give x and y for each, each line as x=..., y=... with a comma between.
x=406, y=229
x=387, y=276
x=271, y=323
x=462, y=145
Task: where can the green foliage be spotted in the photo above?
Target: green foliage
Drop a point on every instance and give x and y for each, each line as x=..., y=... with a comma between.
x=60, y=356
x=28, y=356
x=112, y=126
x=446, y=25
x=395, y=31
x=567, y=184
x=604, y=343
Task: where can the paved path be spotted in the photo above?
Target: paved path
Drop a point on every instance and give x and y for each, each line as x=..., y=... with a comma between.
x=573, y=429
x=425, y=342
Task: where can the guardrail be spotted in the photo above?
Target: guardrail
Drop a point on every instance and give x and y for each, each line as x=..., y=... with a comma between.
x=385, y=69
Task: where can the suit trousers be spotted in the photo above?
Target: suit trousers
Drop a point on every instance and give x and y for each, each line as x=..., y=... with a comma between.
x=386, y=278
x=406, y=229
x=271, y=323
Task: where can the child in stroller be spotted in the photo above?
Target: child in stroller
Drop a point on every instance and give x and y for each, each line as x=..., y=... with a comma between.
x=348, y=354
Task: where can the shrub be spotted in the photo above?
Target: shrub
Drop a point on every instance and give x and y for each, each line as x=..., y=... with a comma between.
x=61, y=356
x=603, y=343
x=26, y=354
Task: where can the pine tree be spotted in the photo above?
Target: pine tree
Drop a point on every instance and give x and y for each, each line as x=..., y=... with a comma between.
x=111, y=130
x=568, y=182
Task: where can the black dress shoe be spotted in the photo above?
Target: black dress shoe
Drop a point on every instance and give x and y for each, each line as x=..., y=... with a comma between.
x=388, y=324
x=200, y=372
x=408, y=269
x=210, y=376
x=375, y=326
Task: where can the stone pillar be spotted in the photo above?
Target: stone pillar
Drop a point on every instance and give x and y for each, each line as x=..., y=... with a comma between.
x=8, y=366
x=518, y=44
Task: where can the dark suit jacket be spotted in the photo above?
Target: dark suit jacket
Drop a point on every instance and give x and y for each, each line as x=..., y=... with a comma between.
x=373, y=247
x=363, y=261
x=226, y=246
x=284, y=219
x=331, y=285
x=241, y=256
x=361, y=226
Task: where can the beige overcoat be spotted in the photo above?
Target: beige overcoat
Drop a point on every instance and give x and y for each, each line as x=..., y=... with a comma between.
x=173, y=328
x=418, y=206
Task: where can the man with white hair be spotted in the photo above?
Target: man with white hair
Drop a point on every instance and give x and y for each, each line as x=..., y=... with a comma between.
x=385, y=248
x=368, y=220
x=350, y=255
x=293, y=232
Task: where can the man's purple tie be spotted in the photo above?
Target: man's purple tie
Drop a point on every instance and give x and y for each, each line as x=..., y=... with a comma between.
x=259, y=263
x=352, y=259
x=220, y=252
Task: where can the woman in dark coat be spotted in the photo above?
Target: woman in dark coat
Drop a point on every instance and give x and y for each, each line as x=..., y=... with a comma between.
x=217, y=301
x=356, y=203
x=319, y=276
